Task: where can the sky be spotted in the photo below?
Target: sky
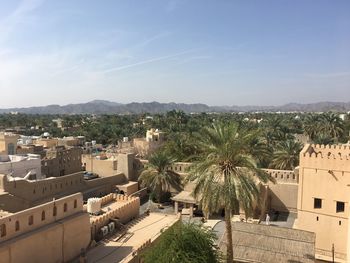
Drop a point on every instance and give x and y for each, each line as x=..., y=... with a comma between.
x=218, y=52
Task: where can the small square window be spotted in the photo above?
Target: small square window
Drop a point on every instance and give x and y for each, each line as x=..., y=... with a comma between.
x=317, y=203
x=340, y=207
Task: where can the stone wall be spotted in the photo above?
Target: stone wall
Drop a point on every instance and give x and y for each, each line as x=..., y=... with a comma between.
x=39, y=216
x=282, y=196
x=325, y=175
x=52, y=232
x=37, y=192
x=129, y=210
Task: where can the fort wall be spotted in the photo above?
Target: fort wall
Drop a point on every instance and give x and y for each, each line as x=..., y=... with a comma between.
x=129, y=210
x=323, y=196
x=36, y=192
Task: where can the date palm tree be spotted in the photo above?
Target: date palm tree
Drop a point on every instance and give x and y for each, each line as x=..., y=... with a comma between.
x=312, y=125
x=158, y=177
x=332, y=125
x=226, y=174
x=286, y=156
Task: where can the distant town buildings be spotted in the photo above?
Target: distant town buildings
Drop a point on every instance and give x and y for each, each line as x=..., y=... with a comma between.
x=8, y=143
x=146, y=146
x=59, y=161
x=21, y=166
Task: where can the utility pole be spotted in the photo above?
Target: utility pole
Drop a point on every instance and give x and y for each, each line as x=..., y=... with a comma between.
x=92, y=163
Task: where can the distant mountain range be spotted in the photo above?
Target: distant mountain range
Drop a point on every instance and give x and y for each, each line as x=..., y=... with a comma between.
x=103, y=106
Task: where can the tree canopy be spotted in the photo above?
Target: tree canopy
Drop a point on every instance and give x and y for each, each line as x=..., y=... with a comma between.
x=186, y=243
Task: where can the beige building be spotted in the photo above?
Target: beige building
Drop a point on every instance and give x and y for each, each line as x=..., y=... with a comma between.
x=46, y=142
x=18, y=194
x=104, y=166
x=53, y=232
x=31, y=149
x=281, y=196
x=8, y=143
x=71, y=141
x=61, y=161
x=146, y=146
x=323, y=199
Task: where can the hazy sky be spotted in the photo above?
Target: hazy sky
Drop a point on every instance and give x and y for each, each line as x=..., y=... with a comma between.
x=215, y=52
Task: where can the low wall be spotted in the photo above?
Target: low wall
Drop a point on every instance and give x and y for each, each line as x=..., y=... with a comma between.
x=282, y=196
x=61, y=241
x=37, y=192
x=52, y=232
x=33, y=218
x=126, y=212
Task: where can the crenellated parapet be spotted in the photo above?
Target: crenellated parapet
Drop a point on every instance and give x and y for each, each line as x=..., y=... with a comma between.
x=284, y=176
x=331, y=157
x=127, y=209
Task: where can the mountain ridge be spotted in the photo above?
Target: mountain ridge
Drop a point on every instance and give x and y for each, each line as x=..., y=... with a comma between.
x=109, y=107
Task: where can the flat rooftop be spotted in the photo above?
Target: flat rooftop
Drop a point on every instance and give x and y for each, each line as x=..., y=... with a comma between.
x=4, y=213
x=18, y=158
x=262, y=243
x=139, y=231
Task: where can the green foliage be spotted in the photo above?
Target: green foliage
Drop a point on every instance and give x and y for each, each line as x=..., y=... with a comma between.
x=269, y=129
x=186, y=243
x=218, y=181
x=226, y=173
x=325, y=128
x=158, y=177
x=286, y=156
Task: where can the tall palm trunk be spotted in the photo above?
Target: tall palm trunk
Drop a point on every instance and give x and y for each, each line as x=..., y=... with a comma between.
x=229, y=252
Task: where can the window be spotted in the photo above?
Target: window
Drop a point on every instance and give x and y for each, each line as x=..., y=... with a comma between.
x=31, y=220
x=17, y=226
x=75, y=203
x=317, y=203
x=3, y=230
x=42, y=215
x=65, y=207
x=54, y=211
x=340, y=207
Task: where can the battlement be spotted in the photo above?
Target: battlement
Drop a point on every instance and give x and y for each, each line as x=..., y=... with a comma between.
x=335, y=151
x=116, y=206
x=335, y=157
x=284, y=176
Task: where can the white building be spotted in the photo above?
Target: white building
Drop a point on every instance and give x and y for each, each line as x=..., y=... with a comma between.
x=23, y=166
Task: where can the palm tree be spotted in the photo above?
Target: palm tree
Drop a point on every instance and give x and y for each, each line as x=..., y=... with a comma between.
x=312, y=124
x=226, y=175
x=332, y=125
x=158, y=177
x=286, y=156
x=323, y=138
